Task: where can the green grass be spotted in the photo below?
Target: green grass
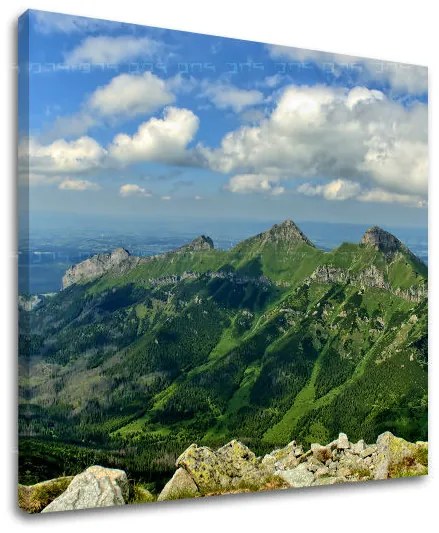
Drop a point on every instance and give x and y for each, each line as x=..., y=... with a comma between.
x=140, y=494
x=405, y=272
x=165, y=265
x=141, y=311
x=34, y=498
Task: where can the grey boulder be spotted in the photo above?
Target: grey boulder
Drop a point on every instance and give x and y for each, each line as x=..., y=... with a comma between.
x=181, y=485
x=95, y=487
x=297, y=477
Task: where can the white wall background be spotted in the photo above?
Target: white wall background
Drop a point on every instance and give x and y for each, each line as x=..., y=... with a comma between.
x=399, y=31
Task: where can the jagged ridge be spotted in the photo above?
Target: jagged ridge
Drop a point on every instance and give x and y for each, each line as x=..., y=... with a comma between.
x=118, y=260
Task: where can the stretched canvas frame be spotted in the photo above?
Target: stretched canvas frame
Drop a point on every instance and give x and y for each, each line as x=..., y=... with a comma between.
x=222, y=266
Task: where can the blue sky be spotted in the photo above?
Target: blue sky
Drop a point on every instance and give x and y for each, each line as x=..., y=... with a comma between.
x=142, y=121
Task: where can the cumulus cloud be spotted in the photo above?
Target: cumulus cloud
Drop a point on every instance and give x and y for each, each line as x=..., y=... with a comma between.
x=125, y=96
x=225, y=96
x=62, y=156
x=166, y=198
x=78, y=185
x=340, y=190
x=131, y=95
x=334, y=190
x=131, y=189
x=358, y=135
x=159, y=139
x=255, y=183
x=362, y=95
x=113, y=50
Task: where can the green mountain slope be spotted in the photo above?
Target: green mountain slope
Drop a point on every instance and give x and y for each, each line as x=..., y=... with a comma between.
x=269, y=341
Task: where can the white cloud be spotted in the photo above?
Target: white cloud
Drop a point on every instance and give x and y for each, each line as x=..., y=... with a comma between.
x=131, y=95
x=125, y=96
x=340, y=190
x=166, y=198
x=131, y=189
x=78, y=185
x=225, y=96
x=409, y=78
x=362, y=95
x=162, y=140
x=356, y=135
x=158, y=139
x=113, y=50
x=272, y=81
x=197, y=197
x=380, y=196
x=61, y=156
x=255, y=183
x=334, y=190
x=401, y=77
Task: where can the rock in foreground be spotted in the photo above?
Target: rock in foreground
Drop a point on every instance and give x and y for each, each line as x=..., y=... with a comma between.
x=181, y=485
x=96, y=487
x=234, y=468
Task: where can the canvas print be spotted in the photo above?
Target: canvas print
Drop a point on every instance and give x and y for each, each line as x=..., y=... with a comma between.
x=222, y=266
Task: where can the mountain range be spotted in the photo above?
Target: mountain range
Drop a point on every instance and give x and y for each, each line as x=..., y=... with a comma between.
x=272, y=340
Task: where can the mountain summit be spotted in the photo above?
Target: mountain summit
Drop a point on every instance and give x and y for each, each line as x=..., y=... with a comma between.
x=285, y=232
x=197, y=245
x=382, y=240
x=288, y=231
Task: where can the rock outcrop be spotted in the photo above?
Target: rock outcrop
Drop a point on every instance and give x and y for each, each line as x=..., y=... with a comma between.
x=118, y=260
x=181, y=485
x=234, y=468
x=382, y=240
x=286, y=232
x=370, y=277
x=398, y=458
x=96, y=487
x=229, y=467
x=199, y=244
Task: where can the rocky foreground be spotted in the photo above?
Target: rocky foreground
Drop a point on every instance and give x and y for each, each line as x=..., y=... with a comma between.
x=234, y=468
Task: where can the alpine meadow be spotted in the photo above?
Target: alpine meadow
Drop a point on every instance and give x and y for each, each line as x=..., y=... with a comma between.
x=173, y=343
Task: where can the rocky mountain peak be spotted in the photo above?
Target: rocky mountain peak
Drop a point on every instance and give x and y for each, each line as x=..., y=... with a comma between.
x=287, y=231
x=201, y=243
x=96, y=266
x=382, y=240
x=120, y=254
